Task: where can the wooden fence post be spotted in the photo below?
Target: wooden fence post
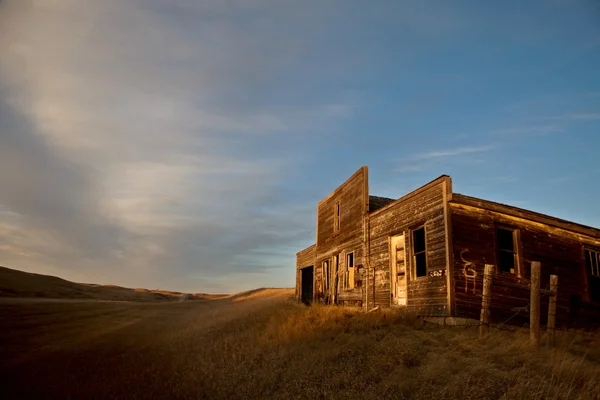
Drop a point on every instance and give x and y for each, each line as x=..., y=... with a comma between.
x=534, y=313
x=552, y=311
x=484, y=321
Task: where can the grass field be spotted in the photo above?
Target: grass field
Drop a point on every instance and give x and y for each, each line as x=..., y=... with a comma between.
x=264, y=345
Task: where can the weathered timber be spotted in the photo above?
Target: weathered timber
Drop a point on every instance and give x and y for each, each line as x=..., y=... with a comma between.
x=440, y=272
x=534, y=307
x=552, y=311
x=352, y=197
x=560, y=252
x=427, y=294
x=484, y=321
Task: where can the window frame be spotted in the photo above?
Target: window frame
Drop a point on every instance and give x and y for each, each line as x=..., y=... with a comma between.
x=347, y=281
x=589, y=275
x=517, y=249
x=325, y=271
x=335, y=274
x=337, y=216
x=414, y=254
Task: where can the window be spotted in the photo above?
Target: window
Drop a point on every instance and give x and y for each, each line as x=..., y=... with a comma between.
x=325, y=268
x=419, y=252
x=336, y=216
x=592, y=266
x=349, y=271
x=507, y=250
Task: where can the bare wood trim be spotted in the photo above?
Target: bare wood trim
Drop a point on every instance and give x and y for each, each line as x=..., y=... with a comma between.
x=423, y=188
x=519, y=249
x=534, y=310
x=447, y=190
x=527, y=215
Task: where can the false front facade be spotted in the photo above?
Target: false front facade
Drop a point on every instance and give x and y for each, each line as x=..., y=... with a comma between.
x=426, y=251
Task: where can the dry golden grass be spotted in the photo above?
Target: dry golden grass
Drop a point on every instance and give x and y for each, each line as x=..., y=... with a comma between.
x=263, y=345
x=15, y=283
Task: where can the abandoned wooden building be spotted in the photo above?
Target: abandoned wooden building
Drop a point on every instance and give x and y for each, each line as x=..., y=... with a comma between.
x=426, y=251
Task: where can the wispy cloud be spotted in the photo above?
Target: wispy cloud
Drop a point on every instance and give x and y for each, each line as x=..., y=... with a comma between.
x=582, y=116
x=452, y=152
x=410, y=168
x=144, y=149
x=423, y=161
x=528, y=130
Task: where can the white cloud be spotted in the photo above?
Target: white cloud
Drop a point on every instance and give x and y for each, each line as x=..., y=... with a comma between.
x=139, y=148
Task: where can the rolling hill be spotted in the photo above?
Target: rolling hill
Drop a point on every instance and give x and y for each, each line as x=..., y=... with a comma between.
x=14, y=283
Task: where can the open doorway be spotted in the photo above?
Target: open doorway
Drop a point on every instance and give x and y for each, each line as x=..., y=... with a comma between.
x=307, y=284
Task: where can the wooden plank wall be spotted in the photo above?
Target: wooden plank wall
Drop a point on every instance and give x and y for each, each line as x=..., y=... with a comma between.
x=353, y=196
x=304, y=258
x=559, y=251
x=427, y=295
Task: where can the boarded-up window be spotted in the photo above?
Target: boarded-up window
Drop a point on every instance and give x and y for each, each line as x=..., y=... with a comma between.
x=350, y=271
x=507, y=250
x=592, y=265
x=420, y=252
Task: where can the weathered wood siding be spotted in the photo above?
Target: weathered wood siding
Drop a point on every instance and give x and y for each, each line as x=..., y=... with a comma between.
x=423, y=207
x=559, y=250
x=353, y=197
x=304, y=258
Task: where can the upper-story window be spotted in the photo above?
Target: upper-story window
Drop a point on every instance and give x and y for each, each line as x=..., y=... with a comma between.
x=592, y=266
x=419, y=247
x=336, y=216
x=508, y=254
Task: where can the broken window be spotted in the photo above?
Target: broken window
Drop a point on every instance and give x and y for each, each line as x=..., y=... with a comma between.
x=349, y=271
x=592, y=266
x=336, y=216
x=325, y=274
x=507, y=250
x=420, y=252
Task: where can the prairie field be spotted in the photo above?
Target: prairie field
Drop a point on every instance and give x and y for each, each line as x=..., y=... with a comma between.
x=262, y=344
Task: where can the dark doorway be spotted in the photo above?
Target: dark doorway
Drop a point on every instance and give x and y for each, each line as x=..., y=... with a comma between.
x=307, y=284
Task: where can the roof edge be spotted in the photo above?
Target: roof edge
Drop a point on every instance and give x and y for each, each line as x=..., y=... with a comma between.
x=364, y=169
x=440, y=179
x=526, y=214
x=306, y=250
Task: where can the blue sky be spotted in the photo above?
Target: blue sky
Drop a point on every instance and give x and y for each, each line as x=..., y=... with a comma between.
x=185, y=144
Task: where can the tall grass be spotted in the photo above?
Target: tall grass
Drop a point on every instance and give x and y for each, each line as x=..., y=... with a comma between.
x=336, y=352
x=264, y=345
